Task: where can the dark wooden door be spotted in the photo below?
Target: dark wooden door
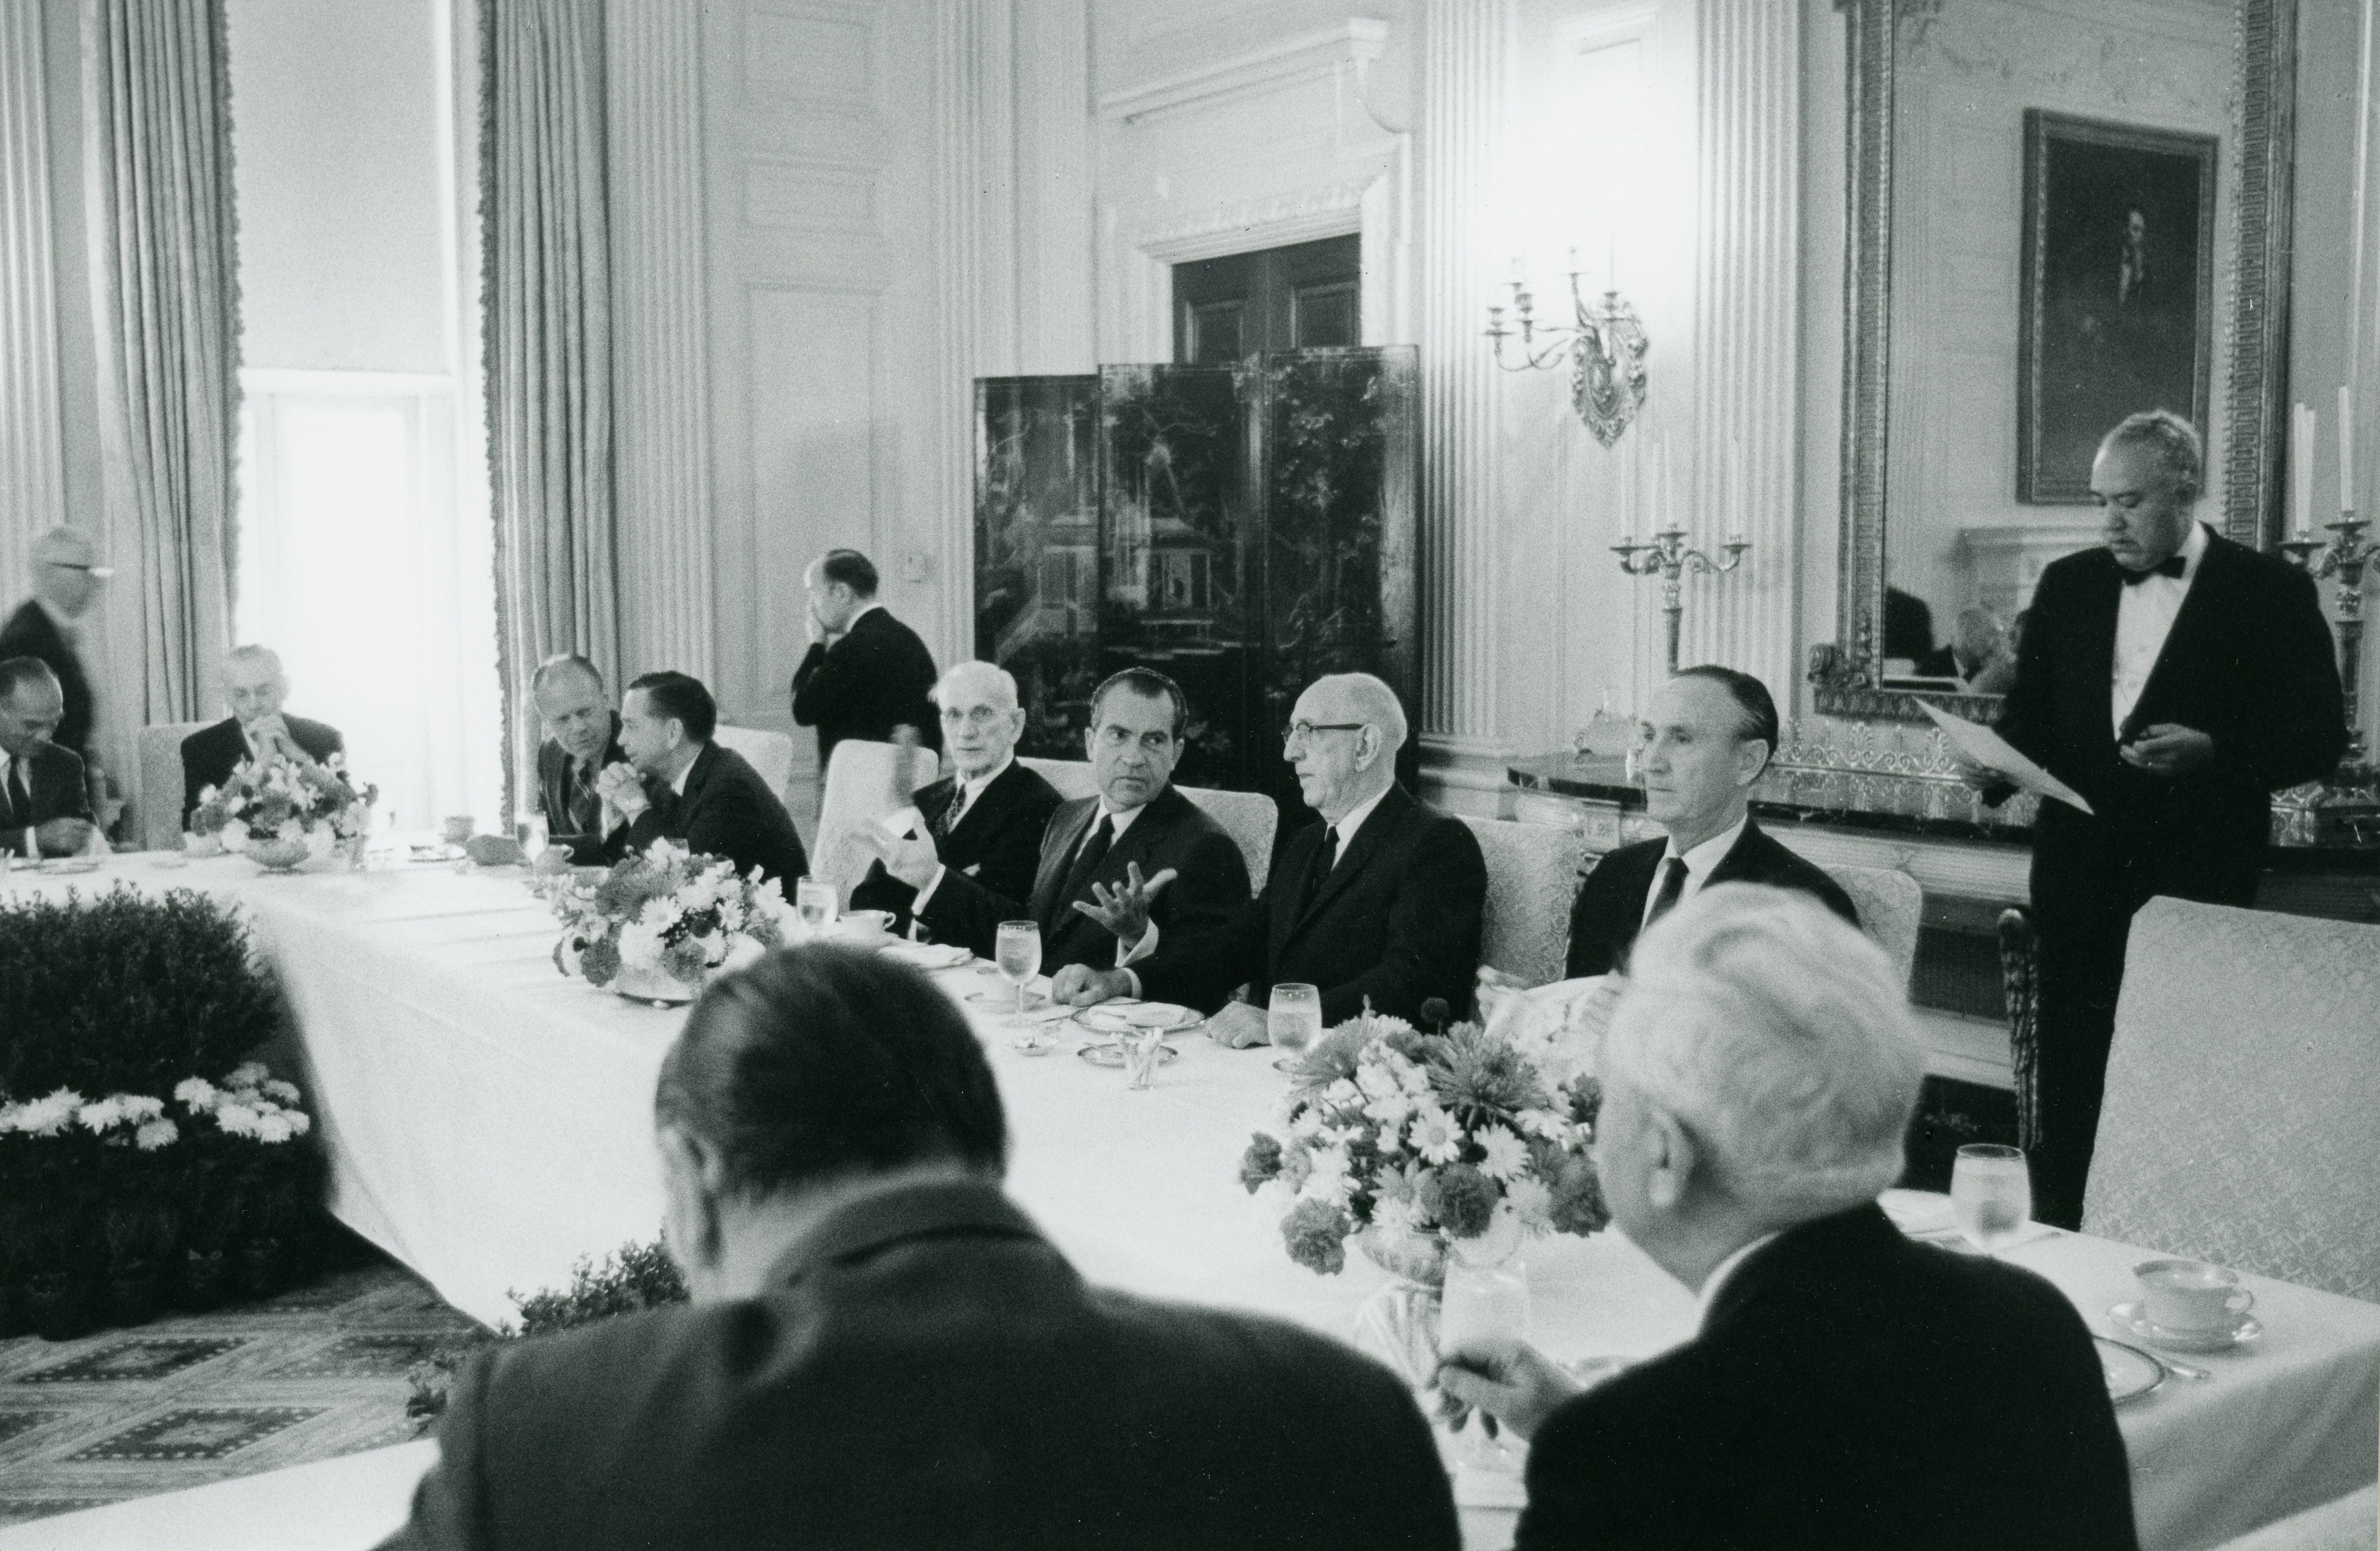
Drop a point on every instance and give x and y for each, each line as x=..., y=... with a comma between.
x=1307, y=296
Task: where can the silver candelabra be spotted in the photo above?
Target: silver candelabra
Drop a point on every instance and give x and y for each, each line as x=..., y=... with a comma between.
x=1671, y=558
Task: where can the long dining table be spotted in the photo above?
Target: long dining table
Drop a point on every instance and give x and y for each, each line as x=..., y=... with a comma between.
x=489, y=1123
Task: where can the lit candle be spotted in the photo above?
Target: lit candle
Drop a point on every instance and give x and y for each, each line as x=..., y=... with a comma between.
x=2346, y=447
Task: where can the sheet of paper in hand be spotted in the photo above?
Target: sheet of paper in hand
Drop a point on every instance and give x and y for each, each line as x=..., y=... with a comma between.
x=1987, y=747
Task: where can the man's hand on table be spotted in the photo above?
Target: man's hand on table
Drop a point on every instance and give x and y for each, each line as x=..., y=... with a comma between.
x=63, y=836
x=1239, y=1025
x=1082, y=986
x=1516, y=1383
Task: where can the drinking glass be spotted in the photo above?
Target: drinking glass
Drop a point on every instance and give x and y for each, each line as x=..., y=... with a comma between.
x=1016, y=949
x=1484, y=1303
x=814, y=901
x=1991, y=1194
x=1293, y=1020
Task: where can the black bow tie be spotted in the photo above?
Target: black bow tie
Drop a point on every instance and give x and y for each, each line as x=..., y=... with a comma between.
x=2172, y=565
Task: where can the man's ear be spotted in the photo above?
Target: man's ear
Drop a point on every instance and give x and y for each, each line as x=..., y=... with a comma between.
x=1674, y=1159
x=1751, y=758
x=690, y=1179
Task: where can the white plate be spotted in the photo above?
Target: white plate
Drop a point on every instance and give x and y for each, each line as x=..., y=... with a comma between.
x=1131, y=1017
x=1113, y=1054
x=2132, y=1373
x=58, y=866
x=2133, y=1319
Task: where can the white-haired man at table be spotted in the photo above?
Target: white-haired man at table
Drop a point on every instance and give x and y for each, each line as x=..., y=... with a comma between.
x=1847, y=1388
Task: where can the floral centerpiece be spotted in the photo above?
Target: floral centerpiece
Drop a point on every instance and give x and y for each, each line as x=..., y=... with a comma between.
x=656, y=925
x=281, y=813
x=1420, y=1145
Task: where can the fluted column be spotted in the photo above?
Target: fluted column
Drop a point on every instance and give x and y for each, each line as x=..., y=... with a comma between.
x=958, y=231
x=32, y=489
x=661, y=370
x=1464, y=44
x=1746, y=359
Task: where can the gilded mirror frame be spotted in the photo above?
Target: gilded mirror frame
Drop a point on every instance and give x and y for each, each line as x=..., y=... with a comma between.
x=1847, y=673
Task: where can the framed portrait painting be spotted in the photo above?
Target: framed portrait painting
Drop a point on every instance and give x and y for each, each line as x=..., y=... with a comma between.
x=2117, y=294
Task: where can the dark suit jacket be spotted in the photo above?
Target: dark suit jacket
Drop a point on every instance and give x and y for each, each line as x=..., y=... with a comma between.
x=1170, y=831
x=30, y=632
x=873, y=679
x=1397, y=922
x=726, y=809
x=210, y=754
x=2248, y=662
x=587, y=849
x=997, y=843
x=1853, y=1391
x=927, y=1370
x=56, y=783
x=1610, y=910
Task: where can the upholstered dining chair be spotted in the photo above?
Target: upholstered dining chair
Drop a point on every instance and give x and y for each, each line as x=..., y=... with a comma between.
x=771, y=753
x=1888, y=901
x=1250, y=818
x=2239, y=1125
x=160, y=797
x=859, y=791
x=1533, y=872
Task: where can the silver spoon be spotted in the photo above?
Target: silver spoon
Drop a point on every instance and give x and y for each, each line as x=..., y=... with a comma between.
x=2181, y=1370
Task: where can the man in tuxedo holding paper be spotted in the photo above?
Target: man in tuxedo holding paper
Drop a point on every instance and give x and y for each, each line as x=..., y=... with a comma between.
x=2174, y=680
x=984, y=822
x=1378, y=903
x=1138, y=826
x=45, y=806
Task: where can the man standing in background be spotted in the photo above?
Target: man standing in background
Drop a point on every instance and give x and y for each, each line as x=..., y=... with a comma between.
x=866, y=674
x=48, y=625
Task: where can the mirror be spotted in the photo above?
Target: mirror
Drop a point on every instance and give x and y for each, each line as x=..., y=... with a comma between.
x=2059, y=212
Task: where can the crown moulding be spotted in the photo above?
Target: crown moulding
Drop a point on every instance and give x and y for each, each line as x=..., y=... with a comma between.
x=1357, y=43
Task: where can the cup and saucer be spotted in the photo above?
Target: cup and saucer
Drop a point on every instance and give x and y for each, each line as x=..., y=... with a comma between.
x=2186, y=1305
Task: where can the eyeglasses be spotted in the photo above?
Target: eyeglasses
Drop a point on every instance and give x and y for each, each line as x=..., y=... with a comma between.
x=1298, y=732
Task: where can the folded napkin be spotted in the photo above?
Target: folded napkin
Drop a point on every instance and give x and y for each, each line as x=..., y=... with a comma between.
x=928, y=956
x=1929, y=1218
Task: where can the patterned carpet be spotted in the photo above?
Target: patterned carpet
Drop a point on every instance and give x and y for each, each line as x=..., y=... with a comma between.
x=191, y=1398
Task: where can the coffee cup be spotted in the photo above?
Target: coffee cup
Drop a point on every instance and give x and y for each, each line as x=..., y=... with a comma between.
x=457, y=828
x=2189, y=1295
x=198, y=845
x=866, y=925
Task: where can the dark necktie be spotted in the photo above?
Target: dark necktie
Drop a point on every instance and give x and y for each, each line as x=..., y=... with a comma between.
x=20, y=797
x=1673, y=884
x=2172, y=565
x=1318, y=872
x=586, y=803
x=1087, y=863
x=949, y=819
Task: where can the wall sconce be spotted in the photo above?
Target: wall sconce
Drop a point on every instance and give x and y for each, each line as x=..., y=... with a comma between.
x=1606, y=348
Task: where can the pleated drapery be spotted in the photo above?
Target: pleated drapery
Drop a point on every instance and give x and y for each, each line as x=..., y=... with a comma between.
x=165, y=312
x=549, y=348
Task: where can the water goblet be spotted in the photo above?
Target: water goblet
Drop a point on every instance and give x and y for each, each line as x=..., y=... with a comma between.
x=814, y=901
x=1293, y=1020
x=1991, y=1194
x=1016, y=950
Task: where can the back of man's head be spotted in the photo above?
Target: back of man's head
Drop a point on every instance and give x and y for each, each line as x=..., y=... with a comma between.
x=852, y=569
x=1781, y=1038
x=820, y=1064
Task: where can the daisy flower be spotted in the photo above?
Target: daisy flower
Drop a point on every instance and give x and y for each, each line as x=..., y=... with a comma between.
x=1436, y=1136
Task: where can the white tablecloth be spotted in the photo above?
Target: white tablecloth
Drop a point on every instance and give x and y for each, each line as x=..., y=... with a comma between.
x=489, y=1123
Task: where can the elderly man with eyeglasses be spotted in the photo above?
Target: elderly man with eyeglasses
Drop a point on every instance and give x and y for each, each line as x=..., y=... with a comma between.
x=1380, y=902
x=67, y=578
x=983, y=821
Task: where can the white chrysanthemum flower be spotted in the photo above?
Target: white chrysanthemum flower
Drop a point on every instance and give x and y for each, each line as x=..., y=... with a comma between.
x=1507, y=1153
x=100, y=1114
x=140, y=1106
x=1531, y=1202
x=640, y=945
x=196, y=1091
x=157, y=1134
x=1391, y=1139
x=285, y=1092
x=274, y=1127
x=1307, y=1124
x=1390, y=1109
x=1329, y=1179
x=1543, y=1122
x=1376, y=1079
x=1414, y=1079
x=300, y=1122
x=247, y=1075
x=1341, y=1094
x=236, y=1118
x=1396, y=1218
x=1436, y=1136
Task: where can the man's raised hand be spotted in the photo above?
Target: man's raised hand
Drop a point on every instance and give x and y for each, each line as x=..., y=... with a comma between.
x=1124, y=908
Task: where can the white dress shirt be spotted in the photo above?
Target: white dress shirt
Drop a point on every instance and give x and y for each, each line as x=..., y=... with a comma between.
x=1717, y=1278
x=1699, y=862
x=2144, y=615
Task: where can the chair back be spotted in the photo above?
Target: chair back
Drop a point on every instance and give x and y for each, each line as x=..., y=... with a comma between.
x=1249, y=818
x=1533, y=873
x=771, y=753
x=1888, y=901
x=161, y=793
x=859, y=791
x=2239, y=1125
